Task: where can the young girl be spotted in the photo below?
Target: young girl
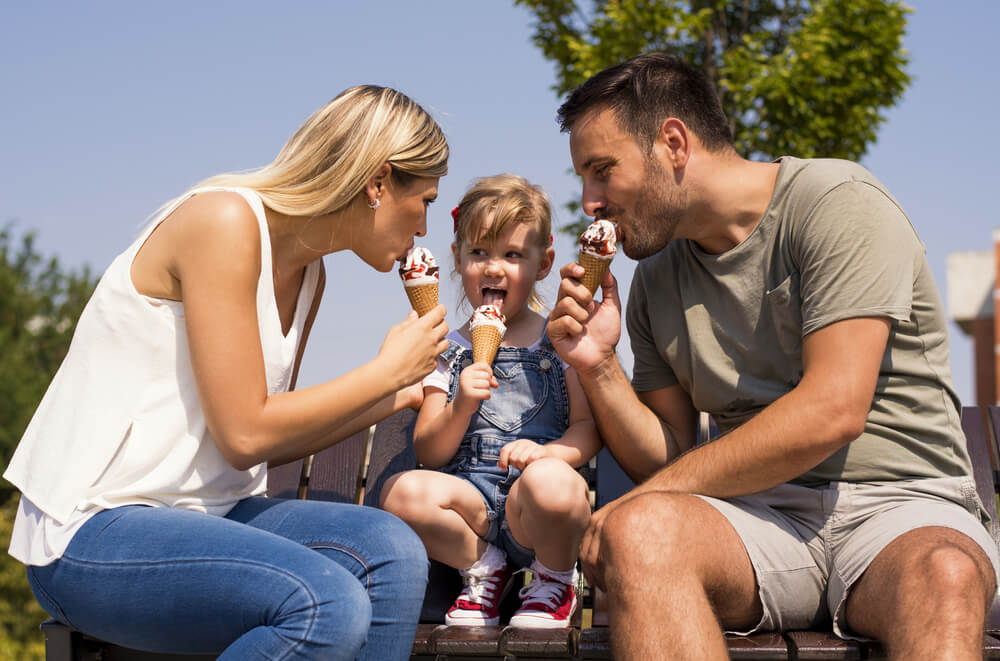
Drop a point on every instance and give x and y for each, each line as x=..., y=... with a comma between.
x=505, y=440
x=143, y=519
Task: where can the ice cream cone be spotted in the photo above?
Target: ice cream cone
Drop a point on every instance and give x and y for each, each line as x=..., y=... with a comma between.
x=423, y=298
x=595, y=268
x=419, y=271
x=485, y=342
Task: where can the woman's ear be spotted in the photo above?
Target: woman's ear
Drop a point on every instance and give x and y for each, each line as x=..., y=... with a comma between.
x=376, y=183
x=548, y=258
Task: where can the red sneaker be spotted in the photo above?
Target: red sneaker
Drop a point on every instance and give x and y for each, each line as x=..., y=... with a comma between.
x=479, y=603
x=546, y=604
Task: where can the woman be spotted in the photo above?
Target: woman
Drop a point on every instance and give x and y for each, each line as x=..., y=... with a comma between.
x=142, y=519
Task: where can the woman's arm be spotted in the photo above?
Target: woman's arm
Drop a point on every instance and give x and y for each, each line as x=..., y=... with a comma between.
x=408, y=397
x=215, y=257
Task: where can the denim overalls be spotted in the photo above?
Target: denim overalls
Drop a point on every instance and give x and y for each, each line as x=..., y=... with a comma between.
x=530, y=402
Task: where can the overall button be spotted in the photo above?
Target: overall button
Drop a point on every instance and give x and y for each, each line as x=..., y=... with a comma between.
x=545, y=364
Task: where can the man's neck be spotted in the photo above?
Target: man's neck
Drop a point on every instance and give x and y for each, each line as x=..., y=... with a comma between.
x=734, y=196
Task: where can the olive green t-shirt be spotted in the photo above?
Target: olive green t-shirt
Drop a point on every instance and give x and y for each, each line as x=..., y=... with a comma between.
x=833, y=244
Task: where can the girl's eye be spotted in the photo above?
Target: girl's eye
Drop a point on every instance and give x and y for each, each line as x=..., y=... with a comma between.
x=478, y=252
x=513, y=255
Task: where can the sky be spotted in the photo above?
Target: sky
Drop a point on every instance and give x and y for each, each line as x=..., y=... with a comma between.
x=110, y=108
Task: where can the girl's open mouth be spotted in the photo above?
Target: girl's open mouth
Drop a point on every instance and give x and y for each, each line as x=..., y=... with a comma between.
x=493, y=296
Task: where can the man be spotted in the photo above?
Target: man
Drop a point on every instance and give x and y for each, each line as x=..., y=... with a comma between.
x=792, y=301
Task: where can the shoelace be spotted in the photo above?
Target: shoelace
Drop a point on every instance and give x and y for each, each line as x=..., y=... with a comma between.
x=480, y=589
x=543, y=590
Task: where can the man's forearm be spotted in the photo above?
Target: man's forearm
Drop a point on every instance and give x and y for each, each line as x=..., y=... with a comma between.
x=634, y=434
x=782, y=442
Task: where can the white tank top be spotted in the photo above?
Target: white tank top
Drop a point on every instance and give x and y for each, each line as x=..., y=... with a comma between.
x=121, y=422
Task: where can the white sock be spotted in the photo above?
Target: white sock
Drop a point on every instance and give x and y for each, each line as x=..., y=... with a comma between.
x=493, y=559
x=568, y=577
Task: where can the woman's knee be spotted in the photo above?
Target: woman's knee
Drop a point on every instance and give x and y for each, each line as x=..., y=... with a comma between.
x=326, y=611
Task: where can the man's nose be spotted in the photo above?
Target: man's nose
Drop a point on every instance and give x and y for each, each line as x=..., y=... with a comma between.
x=591, y=201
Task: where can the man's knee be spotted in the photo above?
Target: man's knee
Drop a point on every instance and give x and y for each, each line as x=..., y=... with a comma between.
x=646, y=528
x=955, y=572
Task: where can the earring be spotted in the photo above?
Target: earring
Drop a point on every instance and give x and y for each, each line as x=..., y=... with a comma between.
x=374, y=205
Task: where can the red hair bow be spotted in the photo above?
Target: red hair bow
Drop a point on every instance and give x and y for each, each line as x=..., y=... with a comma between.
x=454, y=215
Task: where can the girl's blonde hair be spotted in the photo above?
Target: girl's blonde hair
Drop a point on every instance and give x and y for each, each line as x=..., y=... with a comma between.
x=504, y=199
x=326, y=163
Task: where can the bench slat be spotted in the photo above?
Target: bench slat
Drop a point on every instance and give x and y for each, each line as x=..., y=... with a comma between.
x=283, y=481
x=335, y=470
x=822, y=646
x=468, y=641
x=991, y=646
x=539, y=643
x=979, y=438
x=758, y=646
x=392, y=452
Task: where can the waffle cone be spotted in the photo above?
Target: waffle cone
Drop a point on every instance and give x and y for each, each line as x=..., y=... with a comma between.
x=423, y=298
x=485, y=342
x=595, y=268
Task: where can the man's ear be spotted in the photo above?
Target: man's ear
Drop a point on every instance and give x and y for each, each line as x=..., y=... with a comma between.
x=548, y=258
x=673, y=143
x=377, y=182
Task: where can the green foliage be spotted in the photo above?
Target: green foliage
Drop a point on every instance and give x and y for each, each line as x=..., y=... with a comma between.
x=38, y=311
x=20, y=614
x=809, y=79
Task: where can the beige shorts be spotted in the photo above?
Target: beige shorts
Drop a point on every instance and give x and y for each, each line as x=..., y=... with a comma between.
x=809, y=545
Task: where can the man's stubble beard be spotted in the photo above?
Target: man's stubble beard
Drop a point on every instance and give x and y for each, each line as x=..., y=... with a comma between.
x=653, y=222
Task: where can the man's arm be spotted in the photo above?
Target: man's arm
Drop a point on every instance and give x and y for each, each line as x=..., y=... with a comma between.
x=824, y=412
x=585, y=333
x=643, y=431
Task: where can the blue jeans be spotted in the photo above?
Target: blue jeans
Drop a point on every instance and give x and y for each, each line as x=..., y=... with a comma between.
x=274, y=579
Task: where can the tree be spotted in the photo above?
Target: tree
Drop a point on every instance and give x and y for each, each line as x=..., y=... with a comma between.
x=38, y=312
x=795, y=77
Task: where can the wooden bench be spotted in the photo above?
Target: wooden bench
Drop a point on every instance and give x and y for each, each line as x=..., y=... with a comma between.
x=334, y=474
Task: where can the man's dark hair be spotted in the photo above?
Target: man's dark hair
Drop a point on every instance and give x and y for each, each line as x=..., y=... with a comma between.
x=647, y=89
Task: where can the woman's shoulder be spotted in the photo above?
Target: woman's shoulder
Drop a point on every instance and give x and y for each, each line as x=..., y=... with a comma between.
x=218, y=217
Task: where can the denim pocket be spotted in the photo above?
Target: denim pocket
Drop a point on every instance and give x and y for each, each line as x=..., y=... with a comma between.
x=522, y=392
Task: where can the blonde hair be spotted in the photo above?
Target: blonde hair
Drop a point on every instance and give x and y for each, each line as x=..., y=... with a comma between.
x=326, y=163
x=504, y=199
